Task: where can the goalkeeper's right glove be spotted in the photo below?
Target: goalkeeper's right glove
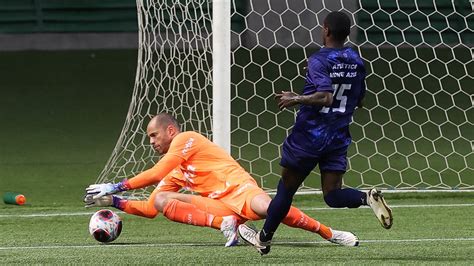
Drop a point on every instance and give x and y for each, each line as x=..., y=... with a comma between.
x=104, y=201
x=99, y=190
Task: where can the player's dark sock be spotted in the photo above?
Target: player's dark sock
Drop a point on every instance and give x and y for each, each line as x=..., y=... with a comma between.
x=277, y=210
x=347, y=197
x=264, y=236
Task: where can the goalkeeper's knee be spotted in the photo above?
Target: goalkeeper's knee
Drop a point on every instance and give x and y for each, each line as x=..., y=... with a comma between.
x=161, y=200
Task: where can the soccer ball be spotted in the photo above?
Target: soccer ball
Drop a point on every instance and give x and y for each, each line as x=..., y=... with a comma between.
x=105, y=226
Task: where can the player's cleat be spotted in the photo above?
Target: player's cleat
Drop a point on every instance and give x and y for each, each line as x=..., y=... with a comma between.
x=252, y=237
x=383, y=213
x=104, y=201
x=344, y=238
x=229, y=229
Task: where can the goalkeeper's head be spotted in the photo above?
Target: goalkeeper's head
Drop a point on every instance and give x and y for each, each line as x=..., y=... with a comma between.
x=336, y=28
x=161, y=130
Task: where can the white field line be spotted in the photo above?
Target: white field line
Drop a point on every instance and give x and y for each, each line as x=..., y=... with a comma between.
x=219, y=244
x=32, y=215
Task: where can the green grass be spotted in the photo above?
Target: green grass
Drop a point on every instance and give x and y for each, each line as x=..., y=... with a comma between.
x=429, y=235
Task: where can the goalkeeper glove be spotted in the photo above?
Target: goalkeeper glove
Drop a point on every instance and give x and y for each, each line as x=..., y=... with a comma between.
x=104, y=201
x=99, y=190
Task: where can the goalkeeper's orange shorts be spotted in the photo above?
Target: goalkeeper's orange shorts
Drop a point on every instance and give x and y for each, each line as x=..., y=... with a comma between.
x=240, y=198
x=235, y=202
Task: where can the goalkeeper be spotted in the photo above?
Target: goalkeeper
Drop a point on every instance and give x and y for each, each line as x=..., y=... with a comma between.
x=228, y=195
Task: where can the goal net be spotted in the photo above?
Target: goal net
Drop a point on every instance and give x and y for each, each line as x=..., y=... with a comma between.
x=415, y=133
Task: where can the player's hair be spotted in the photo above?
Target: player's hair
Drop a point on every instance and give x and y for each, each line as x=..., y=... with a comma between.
x=338, y=24
x=165, y=119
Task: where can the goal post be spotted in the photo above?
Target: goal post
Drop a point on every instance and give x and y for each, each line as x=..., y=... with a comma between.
x=414, y=134
x=221, y=73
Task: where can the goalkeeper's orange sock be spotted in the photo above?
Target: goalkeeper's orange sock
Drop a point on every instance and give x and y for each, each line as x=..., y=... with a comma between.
x=140, y=208
x=187, y=213
x=298, y=219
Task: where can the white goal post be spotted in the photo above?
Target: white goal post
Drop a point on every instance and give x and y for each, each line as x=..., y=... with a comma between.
x=216, y=66
x=221, y=73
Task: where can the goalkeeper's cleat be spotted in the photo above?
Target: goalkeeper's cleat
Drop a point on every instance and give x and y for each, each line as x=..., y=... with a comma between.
x=344, y=238
x=383, y=213
x=104, y=201
x=229, y=229
x=252, y=237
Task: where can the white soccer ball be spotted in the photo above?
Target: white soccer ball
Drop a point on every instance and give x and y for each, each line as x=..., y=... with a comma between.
x=105, y=226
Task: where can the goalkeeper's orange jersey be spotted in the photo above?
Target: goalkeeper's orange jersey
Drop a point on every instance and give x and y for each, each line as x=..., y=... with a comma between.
x=207, y=169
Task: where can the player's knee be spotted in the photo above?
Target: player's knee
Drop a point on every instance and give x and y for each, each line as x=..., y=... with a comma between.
x=259, y=205
x=160, y=201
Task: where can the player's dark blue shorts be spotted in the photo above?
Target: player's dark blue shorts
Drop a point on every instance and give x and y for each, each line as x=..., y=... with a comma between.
x=302, y=153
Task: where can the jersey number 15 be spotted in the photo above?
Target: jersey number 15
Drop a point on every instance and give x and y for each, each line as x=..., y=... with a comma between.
x=339, y=96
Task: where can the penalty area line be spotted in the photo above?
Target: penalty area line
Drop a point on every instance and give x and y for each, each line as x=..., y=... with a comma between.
x=219, y=244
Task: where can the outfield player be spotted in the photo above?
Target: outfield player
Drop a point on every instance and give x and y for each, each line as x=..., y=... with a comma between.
x=335, y=85
x=228, y=194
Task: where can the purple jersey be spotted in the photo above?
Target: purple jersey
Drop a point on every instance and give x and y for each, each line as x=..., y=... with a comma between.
x=321, y=134
x=340, y=71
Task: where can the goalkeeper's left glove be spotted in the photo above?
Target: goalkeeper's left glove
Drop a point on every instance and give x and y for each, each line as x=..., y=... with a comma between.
x=99, y=190
x=105, y=201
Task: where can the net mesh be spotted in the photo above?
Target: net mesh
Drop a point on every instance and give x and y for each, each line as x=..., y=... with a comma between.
x=415, y=132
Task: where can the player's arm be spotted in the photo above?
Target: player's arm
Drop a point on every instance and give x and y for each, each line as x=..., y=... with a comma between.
x=320, y=98
x=143, y=208
x=144, y=179
x=156, y=173
x=318, y=76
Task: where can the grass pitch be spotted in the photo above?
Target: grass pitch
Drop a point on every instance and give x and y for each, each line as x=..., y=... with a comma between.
x=438, y=233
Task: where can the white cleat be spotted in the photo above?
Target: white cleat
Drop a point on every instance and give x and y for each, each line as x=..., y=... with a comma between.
x=344, y=238
x=229, y=229
x=383, y=213
x=252, y=237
